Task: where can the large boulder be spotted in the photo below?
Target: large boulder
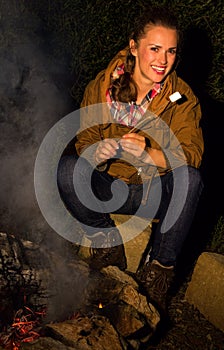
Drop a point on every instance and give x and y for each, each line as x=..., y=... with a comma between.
x=206, y=288
x=135, y=245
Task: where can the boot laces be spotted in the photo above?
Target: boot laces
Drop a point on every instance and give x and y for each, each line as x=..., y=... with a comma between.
x=156, y=281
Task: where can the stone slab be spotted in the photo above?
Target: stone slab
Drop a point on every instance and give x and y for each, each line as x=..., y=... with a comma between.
x=206, y=288
x=135, y=232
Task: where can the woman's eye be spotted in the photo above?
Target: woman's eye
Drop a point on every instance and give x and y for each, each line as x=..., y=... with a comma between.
x=155, y=49
x=173, y=51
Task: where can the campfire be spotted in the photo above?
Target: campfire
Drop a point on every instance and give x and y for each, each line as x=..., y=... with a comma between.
x=67, y=302
x=24, y=329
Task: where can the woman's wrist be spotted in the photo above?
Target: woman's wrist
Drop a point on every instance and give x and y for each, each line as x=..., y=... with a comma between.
x=145, y=155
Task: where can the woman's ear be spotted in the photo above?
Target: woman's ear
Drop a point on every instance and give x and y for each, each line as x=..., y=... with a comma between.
x=132, y=46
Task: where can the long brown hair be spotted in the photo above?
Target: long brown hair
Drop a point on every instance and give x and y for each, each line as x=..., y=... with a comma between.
x=124, y=88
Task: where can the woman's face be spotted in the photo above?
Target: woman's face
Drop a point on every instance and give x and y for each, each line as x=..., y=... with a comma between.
x=155, y=55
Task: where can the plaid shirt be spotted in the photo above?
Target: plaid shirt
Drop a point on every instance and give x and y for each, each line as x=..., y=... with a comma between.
x=130, y=113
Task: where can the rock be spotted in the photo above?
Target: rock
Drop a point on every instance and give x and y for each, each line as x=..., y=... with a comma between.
x=43, y=278
x=34, y=276
x=134, y=245
x=120, y=276
x=86, y=333
x=128, y=310
x=131, y=296
x=124, y=319
x=205, y=290
x=45, y=343
x=114, y=295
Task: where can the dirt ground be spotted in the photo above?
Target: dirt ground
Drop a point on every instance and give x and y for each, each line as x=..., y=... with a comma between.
x=188, y=328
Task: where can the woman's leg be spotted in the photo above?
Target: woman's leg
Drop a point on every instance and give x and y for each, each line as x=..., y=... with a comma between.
x=181, y=191
x=76, y=188
x=87, y=195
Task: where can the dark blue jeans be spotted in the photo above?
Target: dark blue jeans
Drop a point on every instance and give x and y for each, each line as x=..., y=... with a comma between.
x=91, y=196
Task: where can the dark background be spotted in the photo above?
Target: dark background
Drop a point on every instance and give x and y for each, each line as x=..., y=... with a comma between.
x=82, y=37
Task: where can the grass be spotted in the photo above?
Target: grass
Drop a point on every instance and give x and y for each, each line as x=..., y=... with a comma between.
x=216, y=242
x=91, y=32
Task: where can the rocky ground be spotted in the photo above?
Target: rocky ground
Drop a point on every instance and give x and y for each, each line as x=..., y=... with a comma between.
x=188, y=329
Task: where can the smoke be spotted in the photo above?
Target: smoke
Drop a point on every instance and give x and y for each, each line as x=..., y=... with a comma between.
x=34, y=95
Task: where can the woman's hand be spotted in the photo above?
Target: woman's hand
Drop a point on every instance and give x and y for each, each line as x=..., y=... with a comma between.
x=106, y=149
x=133, y=143
x=136, y=145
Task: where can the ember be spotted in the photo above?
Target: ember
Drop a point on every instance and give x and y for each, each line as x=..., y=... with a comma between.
x=100, y=306
x=24, y=329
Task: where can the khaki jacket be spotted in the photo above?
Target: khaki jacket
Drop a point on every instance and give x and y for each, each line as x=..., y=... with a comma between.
x=173, y=127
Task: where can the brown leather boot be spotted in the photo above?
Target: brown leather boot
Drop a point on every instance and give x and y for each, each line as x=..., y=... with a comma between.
x=156, y=281
x=107, y=249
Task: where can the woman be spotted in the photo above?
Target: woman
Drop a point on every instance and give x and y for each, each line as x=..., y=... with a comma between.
x=147, y=137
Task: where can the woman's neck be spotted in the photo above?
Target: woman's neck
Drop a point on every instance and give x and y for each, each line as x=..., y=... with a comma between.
x=142, y=92
x=143, y=87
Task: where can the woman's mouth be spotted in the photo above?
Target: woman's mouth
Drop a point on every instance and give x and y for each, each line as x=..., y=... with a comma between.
x=158, y=69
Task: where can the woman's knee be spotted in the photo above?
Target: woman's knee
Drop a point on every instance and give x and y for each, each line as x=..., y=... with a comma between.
x=195, y=178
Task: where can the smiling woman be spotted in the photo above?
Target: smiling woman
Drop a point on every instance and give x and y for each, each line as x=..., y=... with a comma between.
x=143, y=148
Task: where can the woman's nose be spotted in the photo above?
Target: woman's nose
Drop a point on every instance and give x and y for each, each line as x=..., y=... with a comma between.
x=163, y=57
